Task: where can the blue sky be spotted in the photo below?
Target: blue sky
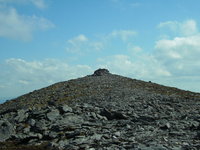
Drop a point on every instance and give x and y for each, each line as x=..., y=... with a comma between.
x=47, y=41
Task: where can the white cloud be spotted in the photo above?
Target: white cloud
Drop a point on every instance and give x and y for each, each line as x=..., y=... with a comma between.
x=37, y=3
x=122, y=34
x=186, y=28
x=134, y=49
x=97, y=46
x=77, y=44
x=78, y=39
x=16, y=26
x=189, y=27
x=19, y=76
x=81, y=45
x=143, y=67
x=180, y=55
x=172, y=25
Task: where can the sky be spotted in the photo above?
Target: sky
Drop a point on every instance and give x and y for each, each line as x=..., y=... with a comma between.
x=47, y=41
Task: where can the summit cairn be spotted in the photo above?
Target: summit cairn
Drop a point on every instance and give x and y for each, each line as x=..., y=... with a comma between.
x=101, y=72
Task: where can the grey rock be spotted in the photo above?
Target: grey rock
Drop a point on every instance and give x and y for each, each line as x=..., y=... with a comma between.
x=52, y=135
x=96, y=137
x=6, y=130
x=31, y=122
x=117, y=133
x=41, y=125
x=69, y=121
x=26, y=130
x=166, y=126
x=112, y=115
x=72, y=134
x=81, y=140
x=21, y=115
x=65, y=109
x=93, y=114
x=157, y=147
x=53, y=114
x=35, y=135
x=39, y=114
x=28, y=136
x=101, y=117
x=176, y=148
x=63, y=143
x=101, y=72
x=20, y=136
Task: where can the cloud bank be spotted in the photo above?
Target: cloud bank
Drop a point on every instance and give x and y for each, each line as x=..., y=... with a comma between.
x=18, y=26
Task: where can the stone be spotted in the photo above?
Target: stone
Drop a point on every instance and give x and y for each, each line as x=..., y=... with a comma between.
x=101, y=72
x=93, y=114
x=52, y=135
x=96, y=137
x=20, y=136
x=112, y=115
x=63, y=143
x=117, y=133
x=101, y=117
x=53, y=114
x=70, y=121
x=41, y=125
x=21, y=115
x=72, y=135
x=166, y=126
x=152, y=147
x=26, y=130
x=39, y=114
x=6, y=130
x=65, y=109
x=31, y=122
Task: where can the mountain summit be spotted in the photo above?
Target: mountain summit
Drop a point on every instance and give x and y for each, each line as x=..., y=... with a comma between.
x=102, y=111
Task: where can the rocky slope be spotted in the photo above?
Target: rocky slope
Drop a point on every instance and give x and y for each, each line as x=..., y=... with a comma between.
x=102, y=111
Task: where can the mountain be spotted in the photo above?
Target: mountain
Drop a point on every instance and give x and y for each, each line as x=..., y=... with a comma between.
x=2, y=100
x=102, y=111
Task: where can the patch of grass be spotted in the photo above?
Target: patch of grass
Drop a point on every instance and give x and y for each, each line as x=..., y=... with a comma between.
x=17, y=146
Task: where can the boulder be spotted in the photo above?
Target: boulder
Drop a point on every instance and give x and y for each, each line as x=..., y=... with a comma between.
x=6, y=130
x=31, y=122
x=112, y=115
x=70, y=121
x=53, y=114
x=21, y=115
x=65, y=109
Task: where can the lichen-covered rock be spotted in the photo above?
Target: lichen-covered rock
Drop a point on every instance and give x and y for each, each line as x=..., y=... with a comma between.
x=53, y=114
x=6, y=130
x=22, y=115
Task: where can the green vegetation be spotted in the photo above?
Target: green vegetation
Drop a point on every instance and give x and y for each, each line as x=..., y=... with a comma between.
x=18, y=146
